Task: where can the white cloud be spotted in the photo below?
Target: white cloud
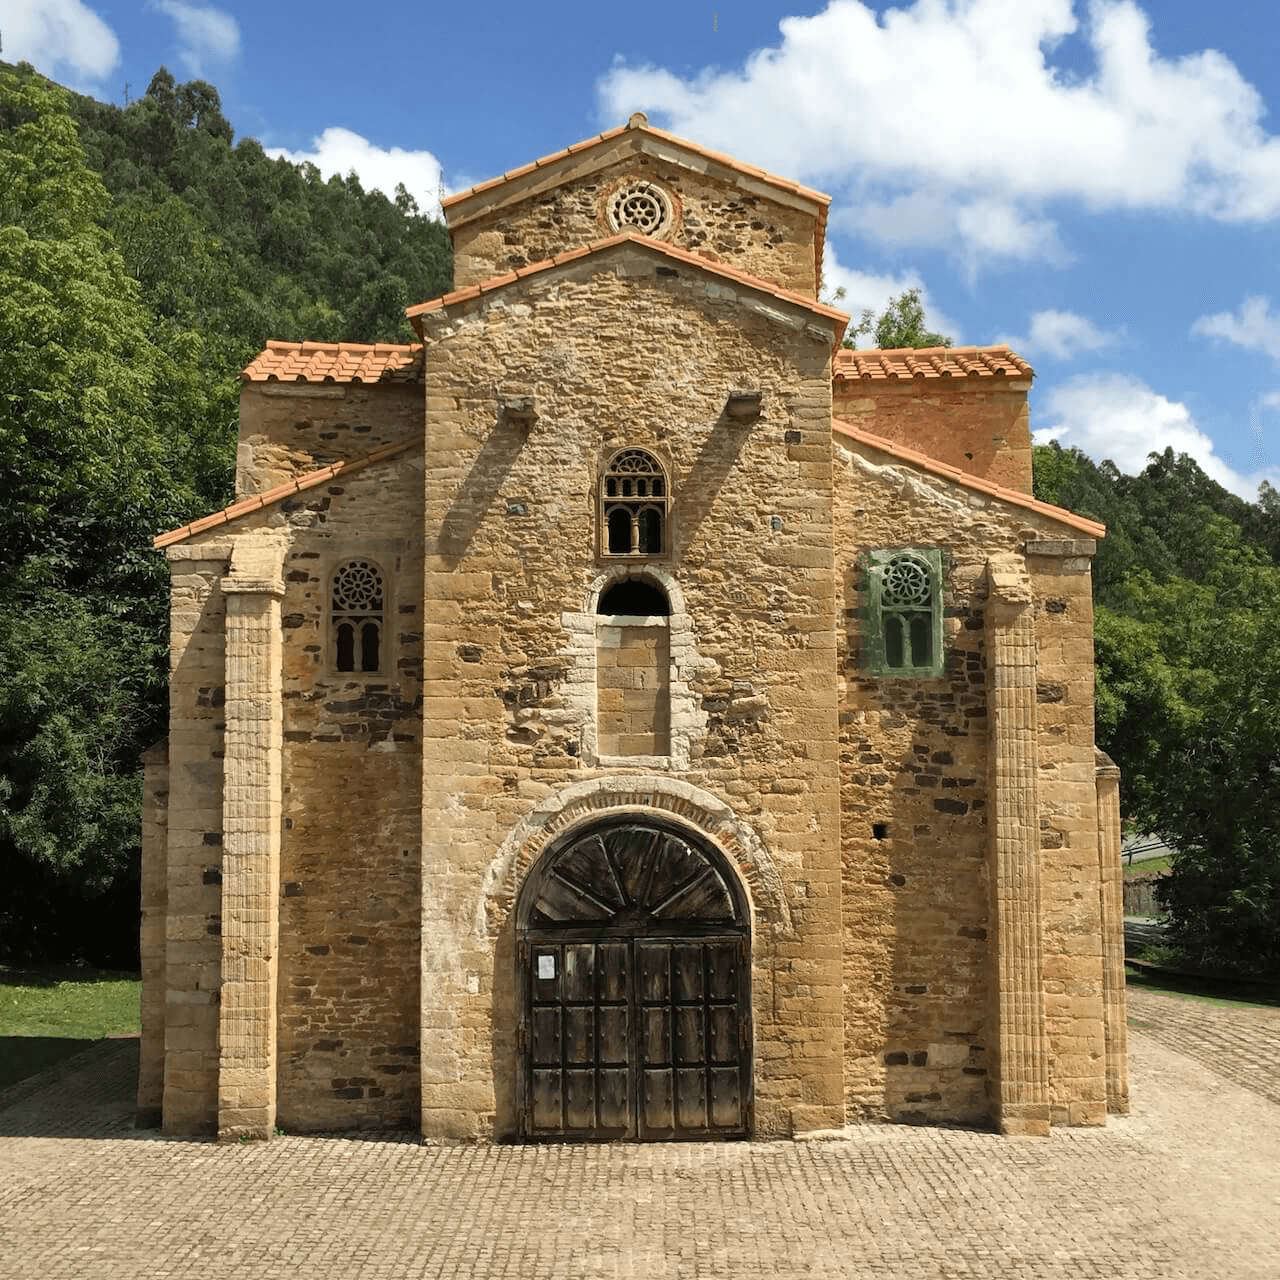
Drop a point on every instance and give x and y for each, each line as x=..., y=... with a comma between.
x=1254, y=327
x=1118, y=417
x=1061, y=334
x=339, y=151
x=979, y=230
x=207, y=34
x=947, y=119
x=65, y=39
x=871, y=291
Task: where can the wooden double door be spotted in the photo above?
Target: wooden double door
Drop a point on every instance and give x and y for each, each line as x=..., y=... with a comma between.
x=635, y=990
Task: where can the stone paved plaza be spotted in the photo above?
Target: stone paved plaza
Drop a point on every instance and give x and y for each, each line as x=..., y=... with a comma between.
x=1188, y=1186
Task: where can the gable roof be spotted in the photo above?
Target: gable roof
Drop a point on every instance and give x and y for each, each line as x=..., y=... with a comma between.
x=336, y=362
x=646, y=138
x=904, y=363
x=659, y=247
x=1091, y=528
x=300, y=484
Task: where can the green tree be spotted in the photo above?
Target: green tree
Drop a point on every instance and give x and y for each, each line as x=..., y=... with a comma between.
x=89, y=475
x=901, y=324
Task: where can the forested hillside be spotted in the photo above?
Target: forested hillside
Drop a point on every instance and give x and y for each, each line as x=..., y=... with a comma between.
x=1187, y=594
x=145, y=255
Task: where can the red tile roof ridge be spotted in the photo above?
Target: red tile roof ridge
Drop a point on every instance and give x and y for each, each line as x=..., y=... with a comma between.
x=349, y=361
x=719, y=157
x=997, y=361
x=912, y=456
x=633, y=237
x=299, y=484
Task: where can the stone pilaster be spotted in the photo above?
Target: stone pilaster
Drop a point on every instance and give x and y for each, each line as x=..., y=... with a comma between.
x=251, y=812
x=1019, y=1052
x=193, y=837
x=1111, y=891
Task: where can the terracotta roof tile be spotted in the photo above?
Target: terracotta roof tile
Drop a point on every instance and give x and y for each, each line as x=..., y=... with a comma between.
x=719, y=157
x=634, y=237
x=931, y=362
x=300, y=484
x=1019, y=499
x=819, y=198
x=336, y=362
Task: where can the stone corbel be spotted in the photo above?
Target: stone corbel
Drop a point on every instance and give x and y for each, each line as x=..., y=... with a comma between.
x=257, y=566
x=742, y=407
x=519, y=411
x=1009, y=582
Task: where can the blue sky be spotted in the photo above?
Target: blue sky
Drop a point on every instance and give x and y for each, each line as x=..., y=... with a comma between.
x=1097, y=183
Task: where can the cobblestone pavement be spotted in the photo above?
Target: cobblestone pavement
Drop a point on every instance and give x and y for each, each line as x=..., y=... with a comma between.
x=1187, y=1188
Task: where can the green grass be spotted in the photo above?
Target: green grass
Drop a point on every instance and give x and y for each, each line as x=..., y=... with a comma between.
x=1207, y=990
x=49, y=1014
x=1146, y=868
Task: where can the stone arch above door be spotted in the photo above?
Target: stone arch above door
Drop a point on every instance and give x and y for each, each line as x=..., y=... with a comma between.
x=581, y=803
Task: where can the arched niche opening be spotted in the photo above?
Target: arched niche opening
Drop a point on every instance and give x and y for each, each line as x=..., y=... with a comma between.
x=637, y=597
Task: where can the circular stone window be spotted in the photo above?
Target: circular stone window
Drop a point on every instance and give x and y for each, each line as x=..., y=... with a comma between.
x=642, y=206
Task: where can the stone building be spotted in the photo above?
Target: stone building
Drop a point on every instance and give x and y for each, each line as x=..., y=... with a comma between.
x=625, y=713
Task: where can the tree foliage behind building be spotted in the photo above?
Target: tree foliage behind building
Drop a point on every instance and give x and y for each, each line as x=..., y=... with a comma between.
x=1187, y=593
x=145, y=256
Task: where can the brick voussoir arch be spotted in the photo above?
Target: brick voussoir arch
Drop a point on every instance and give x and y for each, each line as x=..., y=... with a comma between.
x=631, y=795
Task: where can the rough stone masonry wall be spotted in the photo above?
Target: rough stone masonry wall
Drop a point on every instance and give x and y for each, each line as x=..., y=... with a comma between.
x=352, y=839
x=914, y=796
x=714, y=216
x=980, y=426
x=288, y=429
x=617, y=354
x=347, y=1031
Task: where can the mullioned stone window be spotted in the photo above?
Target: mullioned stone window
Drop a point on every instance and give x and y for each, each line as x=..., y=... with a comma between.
x=357, y=612
x=634, y=505
x=904, y=613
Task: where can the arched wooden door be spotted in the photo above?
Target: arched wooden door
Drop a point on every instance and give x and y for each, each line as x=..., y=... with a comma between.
x=634, y=977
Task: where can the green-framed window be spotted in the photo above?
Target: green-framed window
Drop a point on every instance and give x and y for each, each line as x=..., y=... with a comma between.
x=904, y=612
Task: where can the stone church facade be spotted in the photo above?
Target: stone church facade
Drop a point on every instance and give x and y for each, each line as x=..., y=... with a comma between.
x=624, y=713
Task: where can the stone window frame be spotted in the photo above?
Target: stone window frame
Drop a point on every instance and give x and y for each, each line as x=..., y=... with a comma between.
x=334, y=619
x=903, y=610
x=642, y=504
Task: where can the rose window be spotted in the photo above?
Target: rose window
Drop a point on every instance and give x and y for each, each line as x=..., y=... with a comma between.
x=906, y=583
x=641, y=206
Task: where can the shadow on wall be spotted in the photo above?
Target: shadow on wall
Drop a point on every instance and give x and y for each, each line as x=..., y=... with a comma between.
x=479, y=489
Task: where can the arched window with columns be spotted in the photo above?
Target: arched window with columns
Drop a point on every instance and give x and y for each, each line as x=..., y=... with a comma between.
x=634, y=505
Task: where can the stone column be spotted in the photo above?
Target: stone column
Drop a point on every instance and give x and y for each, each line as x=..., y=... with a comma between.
x=1019, y=1051
x=251, y=813
x=1111, y=891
